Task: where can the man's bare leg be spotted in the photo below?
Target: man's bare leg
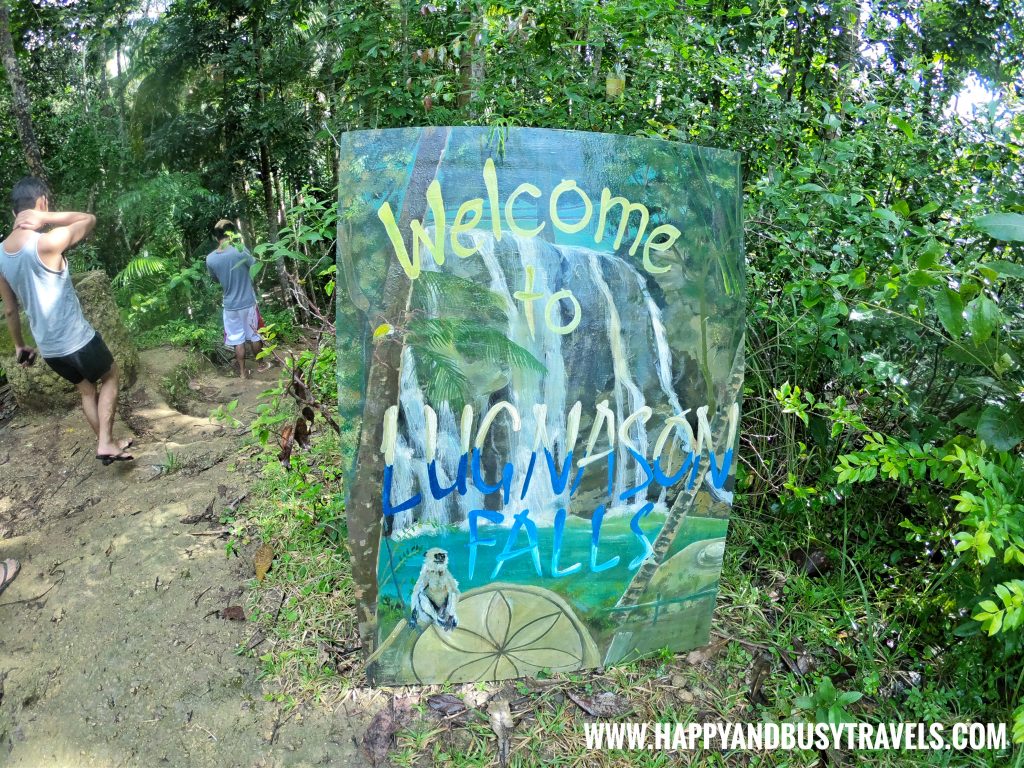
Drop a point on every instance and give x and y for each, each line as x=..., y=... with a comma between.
x=240, y=359
x=106, y=404
x=89, y=404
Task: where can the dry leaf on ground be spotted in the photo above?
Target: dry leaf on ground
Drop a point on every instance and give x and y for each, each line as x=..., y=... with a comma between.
x=446, y=704
x=380, y=734
x=502, y=725
x=261, y=561
x=604, y=704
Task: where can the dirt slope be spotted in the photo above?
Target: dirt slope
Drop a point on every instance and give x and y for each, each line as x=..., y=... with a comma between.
x=110, y=651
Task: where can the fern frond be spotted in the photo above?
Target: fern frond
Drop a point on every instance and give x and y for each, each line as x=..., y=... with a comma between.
x=139, y=268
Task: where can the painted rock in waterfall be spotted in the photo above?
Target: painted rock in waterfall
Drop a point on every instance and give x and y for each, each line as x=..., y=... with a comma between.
x=694, y=569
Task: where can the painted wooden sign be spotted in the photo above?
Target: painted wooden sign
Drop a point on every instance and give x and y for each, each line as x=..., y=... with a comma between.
x=549, y=331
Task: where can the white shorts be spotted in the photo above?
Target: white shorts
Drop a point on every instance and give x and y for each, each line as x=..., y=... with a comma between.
x=242, y=325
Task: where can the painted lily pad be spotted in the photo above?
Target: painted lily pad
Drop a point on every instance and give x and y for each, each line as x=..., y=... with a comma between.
x=505, y=631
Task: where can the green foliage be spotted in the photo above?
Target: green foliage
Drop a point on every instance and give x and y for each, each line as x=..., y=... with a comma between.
x=206, y=339
x=176, y=386
x=225, y=414
x=162, y=281
x=319, y=369
x=1003, y=226
x=170, y=464
x=307, y=236
x=828, y=705
x=300, y=507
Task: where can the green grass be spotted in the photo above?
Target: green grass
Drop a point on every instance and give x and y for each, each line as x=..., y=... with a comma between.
x=305, y=606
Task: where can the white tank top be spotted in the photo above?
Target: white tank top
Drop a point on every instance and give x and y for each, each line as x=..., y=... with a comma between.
x=48, y=298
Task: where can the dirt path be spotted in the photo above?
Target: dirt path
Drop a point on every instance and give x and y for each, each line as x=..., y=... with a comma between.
x=110, y=651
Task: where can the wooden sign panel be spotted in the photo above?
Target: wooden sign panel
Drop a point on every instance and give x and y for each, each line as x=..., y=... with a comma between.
x=548, y=327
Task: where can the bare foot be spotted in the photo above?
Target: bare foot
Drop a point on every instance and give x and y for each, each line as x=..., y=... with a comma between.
x=112, y=451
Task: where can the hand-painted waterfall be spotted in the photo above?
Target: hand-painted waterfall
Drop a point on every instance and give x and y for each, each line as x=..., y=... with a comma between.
x=609, y=356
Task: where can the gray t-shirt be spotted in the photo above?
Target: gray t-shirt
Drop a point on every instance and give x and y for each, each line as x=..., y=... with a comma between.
x=48, y=298
x=230, y=268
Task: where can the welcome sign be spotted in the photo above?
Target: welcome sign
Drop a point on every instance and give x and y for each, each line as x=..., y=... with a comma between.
x=550, y=335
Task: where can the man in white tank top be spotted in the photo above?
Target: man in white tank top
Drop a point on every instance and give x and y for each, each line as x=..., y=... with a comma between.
x=34, y=274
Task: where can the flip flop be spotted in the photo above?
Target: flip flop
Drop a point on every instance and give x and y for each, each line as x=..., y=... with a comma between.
x=8, y=572
x=109, y=458
x=126, y=444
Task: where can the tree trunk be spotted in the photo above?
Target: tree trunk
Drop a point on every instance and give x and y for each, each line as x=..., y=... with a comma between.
x=797, y=53
x=266, y=170
x=20, y=103
x=471, y=62
x=270, y=211
x=382, y=386
x=245, y=222
x=122, y=106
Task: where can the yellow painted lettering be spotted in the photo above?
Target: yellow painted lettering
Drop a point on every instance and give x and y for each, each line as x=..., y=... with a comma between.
x=412, y=268
x=419, y=232
x=528, y=296
x=532, y=191
x=603, y=417
x=577, y=313
x=627, y=210
x=588, y=208
x=671, y=235
x=643, y=416
x=492, y=414
x=491, y=183
x=474, y=209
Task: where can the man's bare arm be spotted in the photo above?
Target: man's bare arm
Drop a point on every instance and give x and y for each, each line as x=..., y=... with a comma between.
x=11, y=314
x=70, y=227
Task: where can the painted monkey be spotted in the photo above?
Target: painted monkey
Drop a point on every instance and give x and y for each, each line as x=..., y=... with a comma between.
x=436, y=594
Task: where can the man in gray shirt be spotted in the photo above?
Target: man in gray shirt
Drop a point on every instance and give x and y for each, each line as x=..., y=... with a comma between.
x=229, y=266
x=34, y=274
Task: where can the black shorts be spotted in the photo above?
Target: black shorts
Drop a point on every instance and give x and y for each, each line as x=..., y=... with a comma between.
x=90, y=363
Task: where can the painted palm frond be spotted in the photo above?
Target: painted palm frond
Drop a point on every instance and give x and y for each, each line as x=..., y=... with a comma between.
x=472, y=341
x=443, y=347
x=459, y=296
x=434, y=333
x=493, y=346
x=444, y=380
